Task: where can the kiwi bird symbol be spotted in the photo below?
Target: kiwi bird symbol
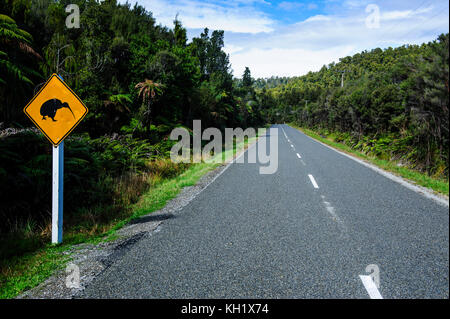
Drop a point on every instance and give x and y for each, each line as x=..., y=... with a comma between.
x=50, y=107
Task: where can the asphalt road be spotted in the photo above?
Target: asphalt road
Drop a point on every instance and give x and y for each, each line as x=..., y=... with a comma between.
x=278, y=236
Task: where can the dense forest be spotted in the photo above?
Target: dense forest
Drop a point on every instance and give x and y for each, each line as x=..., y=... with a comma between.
x=117, y=48
x=140, y=80
x=392, y=103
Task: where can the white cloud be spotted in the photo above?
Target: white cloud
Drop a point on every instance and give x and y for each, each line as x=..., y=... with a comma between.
x=357, y=3
x=318, y=40
x=235, y=16
x=397, y=14
x=285, y=62
x=318, y=17
x=230, y=49
x=290, y=5
x=262, y=42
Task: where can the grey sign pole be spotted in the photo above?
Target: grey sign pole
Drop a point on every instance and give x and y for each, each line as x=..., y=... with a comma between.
x=57, y=193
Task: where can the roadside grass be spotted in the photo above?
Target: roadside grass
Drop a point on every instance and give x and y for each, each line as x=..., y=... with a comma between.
x=21, y=273
x=439, y=186
x=25, y=272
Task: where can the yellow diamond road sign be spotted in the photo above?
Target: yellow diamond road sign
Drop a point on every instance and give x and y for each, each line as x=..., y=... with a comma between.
x=56, y=110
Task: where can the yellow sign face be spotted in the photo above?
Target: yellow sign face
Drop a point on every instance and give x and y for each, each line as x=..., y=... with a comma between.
x=56, y=110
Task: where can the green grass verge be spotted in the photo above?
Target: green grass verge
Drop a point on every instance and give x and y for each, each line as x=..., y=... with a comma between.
x=29, y=270
x=416, y=177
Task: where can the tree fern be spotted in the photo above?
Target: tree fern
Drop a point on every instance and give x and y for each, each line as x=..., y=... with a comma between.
x=9, y=31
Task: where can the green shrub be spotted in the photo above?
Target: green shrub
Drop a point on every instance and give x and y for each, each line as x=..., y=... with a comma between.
x=102, y=177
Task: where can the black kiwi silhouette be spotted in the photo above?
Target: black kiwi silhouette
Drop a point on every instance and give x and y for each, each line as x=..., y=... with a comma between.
x=50, y=107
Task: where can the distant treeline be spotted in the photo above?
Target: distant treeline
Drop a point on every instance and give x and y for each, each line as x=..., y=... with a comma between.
x=394, y=103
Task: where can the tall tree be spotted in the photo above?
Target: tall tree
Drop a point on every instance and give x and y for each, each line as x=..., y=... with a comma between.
x=247, y=80
x=148, y=90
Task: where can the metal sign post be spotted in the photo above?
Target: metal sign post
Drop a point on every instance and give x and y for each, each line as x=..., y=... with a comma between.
x=56, y=110
x=57, y=193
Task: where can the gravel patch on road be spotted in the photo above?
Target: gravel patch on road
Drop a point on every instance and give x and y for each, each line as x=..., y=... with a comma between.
x=92, y=259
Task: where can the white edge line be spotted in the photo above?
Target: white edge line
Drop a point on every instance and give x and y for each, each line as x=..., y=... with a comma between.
x=418, y=189
x=313, y=181
x=370, y=286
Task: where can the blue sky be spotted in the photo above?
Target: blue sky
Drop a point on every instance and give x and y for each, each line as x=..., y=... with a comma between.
x=292, y=37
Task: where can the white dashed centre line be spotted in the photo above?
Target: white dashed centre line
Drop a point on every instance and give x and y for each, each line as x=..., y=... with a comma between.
x=313, y=181
x=370, y=286
x=298, y=155
x=285, y=134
